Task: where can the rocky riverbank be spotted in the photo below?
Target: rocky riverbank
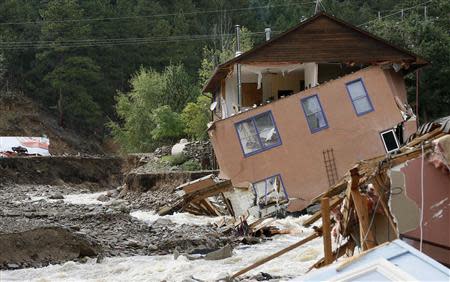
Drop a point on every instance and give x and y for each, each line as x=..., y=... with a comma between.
x=99, y=215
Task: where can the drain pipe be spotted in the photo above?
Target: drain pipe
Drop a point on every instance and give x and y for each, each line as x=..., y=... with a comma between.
x=238, y=74
x=267, y=30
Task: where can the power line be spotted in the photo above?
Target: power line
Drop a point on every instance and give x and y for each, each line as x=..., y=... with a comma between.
x=397, y=12
x=158, y=15
x=113, y=42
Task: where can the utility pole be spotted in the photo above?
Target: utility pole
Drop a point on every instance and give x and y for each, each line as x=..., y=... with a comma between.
x=425, y=13
x=417, y=97
x=316, y=10
x=238, y=67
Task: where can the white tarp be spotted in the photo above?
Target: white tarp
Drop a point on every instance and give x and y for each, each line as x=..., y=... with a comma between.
x=34, y=145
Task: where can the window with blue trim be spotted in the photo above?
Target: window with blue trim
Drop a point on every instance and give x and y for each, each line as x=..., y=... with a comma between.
x=314, y=113
x=258, y=133
x=270, y=190
x=360, y=99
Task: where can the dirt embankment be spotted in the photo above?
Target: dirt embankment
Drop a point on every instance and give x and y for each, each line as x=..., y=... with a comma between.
x=21, y=117
x=101, y=171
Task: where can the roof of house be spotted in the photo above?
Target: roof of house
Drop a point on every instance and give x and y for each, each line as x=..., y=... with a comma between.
x=393, y=261
x=321, y=39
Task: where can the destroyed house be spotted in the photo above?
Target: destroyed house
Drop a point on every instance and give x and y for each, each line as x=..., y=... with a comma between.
x=306, y=105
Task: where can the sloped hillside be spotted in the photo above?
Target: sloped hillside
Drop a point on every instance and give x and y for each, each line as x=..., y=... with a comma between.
x=19, y=116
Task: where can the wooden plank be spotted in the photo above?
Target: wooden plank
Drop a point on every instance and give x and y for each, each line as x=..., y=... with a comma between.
x=326, y=230
x=347, y=210
x=426, y=136
x=313, y=218
x=208, y=192
x=211, y=207
x=339, y=252
x=333, y=191
x=366, y=237
x=195, y=185
x=275, y=255
x=228, y=205
x=192, y=208
x=204, y=206
x=383, y=201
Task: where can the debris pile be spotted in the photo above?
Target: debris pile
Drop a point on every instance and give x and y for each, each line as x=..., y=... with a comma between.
x=201, y=152
x=250, y=213
x=370, y=206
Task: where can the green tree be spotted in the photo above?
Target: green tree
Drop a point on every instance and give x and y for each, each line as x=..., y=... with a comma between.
x=213, y=57
x=74, y=79
x=168, y=125
x=134, y=109
x=195, y=117
x=430, y=39
x=179, y=88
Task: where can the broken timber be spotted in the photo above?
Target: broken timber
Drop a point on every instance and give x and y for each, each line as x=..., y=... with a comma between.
x=277, y=254
x=353, y=198
x=195, y=194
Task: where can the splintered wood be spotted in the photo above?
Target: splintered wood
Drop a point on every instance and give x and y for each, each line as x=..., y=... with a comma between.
x=195, y=197
x=355, y=199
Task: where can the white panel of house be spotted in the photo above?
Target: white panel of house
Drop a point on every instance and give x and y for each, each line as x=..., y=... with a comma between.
x=311, y=74
x=231, y=93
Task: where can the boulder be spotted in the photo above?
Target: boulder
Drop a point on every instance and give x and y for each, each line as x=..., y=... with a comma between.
x=45, y=245
x=56, y=196
x=222, y=253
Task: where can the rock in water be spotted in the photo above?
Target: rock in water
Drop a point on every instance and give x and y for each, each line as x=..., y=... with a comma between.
x=102, y=198
x=56, y=196
x=222, y=253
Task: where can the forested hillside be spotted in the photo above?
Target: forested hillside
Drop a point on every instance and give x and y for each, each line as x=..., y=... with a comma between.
x=97, y=64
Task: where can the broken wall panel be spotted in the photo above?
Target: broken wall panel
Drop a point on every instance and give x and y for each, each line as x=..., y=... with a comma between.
x=436, y=203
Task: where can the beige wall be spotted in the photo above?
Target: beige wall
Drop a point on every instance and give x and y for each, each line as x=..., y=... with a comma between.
x=274, y=82
x=299, y=159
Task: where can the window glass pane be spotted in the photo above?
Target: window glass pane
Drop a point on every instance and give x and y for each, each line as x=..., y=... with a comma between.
x=390, y=141
x=311, y=105
x=267, y=131
x=260, y=188
x=314, y=114
x=316, y=121
x=248, y=137
x=275, y=191
x=362, y=105
x=356, y=90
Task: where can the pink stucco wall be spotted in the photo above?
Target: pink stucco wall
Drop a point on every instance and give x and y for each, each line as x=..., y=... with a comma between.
x=436, y=202
x=299, y=160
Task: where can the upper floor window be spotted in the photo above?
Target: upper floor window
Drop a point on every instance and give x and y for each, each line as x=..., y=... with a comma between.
x=360, y=98
x=258, y=133
x=314, y=113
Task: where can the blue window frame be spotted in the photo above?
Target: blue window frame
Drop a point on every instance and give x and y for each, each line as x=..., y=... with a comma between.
x=314, y=113
x=258, y=133
x=270, y=187
x=360, y=98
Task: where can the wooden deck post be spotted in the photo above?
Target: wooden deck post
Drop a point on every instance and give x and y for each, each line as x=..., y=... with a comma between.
x=367, y=240
x=326, y=228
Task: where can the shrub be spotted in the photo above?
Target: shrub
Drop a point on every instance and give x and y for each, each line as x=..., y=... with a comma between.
x=191, y=165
